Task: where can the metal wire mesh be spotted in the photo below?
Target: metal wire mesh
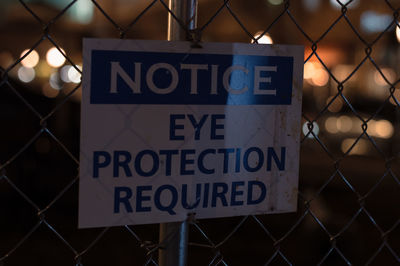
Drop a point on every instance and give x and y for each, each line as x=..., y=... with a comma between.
x=344, y=214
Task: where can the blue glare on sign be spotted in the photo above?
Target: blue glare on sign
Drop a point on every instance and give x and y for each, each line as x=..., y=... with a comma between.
x=372, y=21
x=315, y=130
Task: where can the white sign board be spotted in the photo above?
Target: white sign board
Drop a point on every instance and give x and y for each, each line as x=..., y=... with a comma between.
x=169, y=130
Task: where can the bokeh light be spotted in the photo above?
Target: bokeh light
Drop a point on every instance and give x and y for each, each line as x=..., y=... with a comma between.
x=389, y=74
x=55, y=81
x=26, y=74
x=265, y=39
x=331, y=126
x=31, y=60
x=315, y=130
x=54, y=58
x=73, y=75
x=360, y=148
x=384, y=129
x=320, y=78
x=49, y=92
x=344, y=123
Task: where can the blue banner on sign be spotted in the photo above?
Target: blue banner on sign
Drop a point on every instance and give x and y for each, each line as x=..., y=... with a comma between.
x=126, y=77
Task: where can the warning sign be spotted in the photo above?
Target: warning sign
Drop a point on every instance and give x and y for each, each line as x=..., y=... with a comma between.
x=169, y=130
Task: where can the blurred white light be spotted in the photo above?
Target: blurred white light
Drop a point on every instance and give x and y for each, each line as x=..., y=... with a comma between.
x=315, y=130
x=82, y=11
x=55, y=81
x=55, y=58
x=372, y=21
x=337, y=5
x=275, y=2
x=31, y=60
x=311, y=5
x=73, y=75
x=265, y=39
x=64, y=73
x=398, y=33
x=26, y=74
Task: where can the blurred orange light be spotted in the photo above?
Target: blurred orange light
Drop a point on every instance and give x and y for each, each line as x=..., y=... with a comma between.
x=388, y=73
x=6, y=59
x=49, y=92
x=331, y=125
x=320, y=78
x=396, y=95
x=384, y=129
x=31, y=60
x=360, y=148
x=336, y=105
x=330, y=55
x=344, y=123
x=309, y=70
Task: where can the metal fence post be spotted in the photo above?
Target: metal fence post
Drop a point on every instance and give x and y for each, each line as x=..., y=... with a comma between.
x=174, y=236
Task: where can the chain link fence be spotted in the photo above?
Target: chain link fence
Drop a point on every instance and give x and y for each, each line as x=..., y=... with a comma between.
x=349, y=204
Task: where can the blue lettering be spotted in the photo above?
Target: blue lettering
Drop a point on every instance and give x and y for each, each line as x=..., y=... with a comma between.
x=185, y=203
x=219, y=194
x=117, y=163
x=215, y=126
x=263, y=192
x=173, y=127
x=169, y=207
x=200, y=162
x=279, y=163
x=140, y=198
x=237, y=165
x=206, y=194
x=259, y=162
x=226, y=158
x=235, y=192
x=122, y=196
x=185, y=162
x=197, y=126
x=168, y=159
x=96, y=161
x=138, y=163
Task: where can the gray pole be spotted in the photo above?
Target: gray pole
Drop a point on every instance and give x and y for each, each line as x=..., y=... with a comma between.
x=174, y=236
x=186, y=11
